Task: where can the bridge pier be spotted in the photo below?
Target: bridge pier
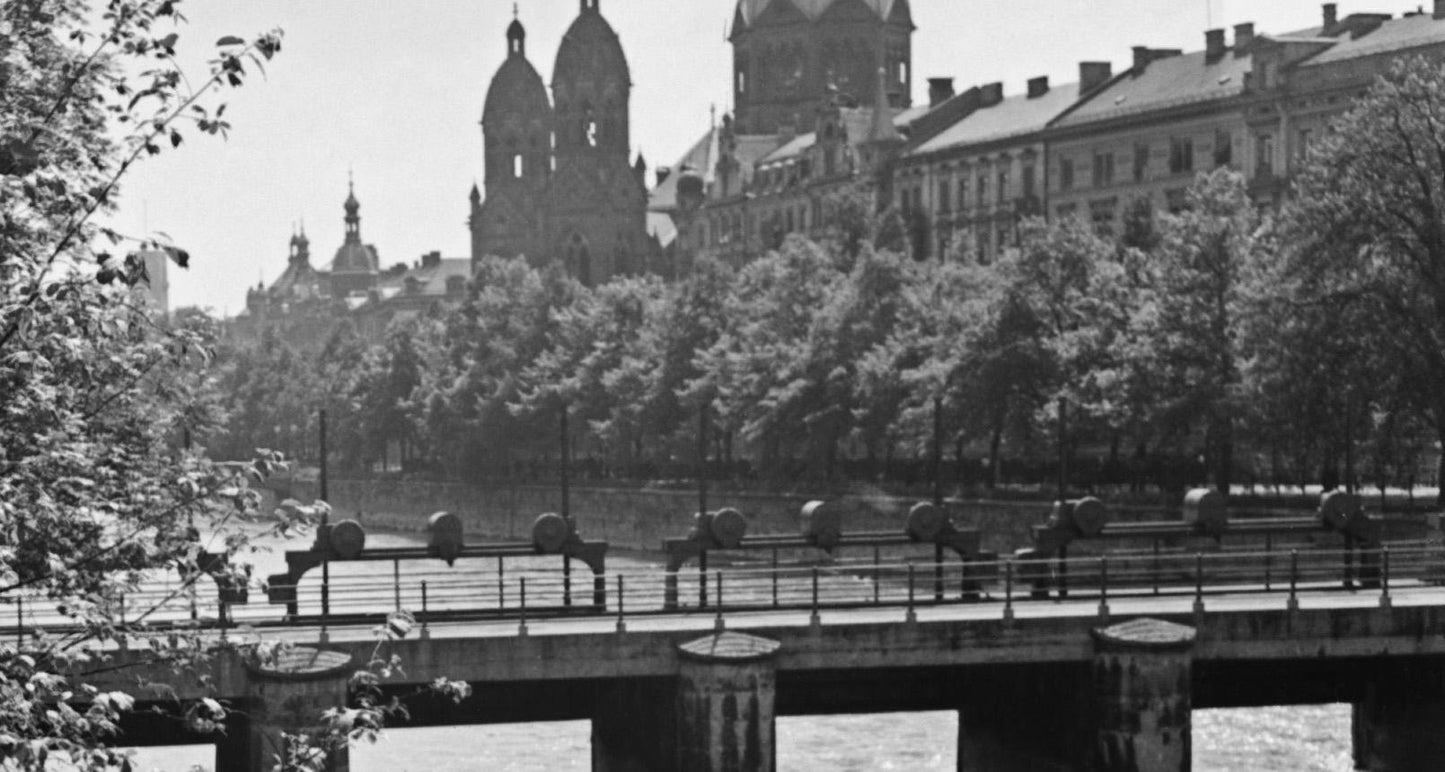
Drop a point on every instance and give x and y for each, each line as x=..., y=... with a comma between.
x=286, y=697
x=1126, y=711
x=717, y=715
x=1397, y=726
x=1141, y=687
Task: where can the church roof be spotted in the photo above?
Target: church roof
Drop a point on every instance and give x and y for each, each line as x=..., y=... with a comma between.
x=355, y=257
x=516, y=88
x=750, y=10
x=590, y=50
x=700, y=158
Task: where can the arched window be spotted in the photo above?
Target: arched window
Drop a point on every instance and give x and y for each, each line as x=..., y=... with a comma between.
x=742, y=82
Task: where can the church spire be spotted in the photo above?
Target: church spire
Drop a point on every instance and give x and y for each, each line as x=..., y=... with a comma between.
x=353, y=211
x=516, y=35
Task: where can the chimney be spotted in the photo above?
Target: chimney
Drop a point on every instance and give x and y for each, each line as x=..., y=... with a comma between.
x=1332, y=16
x=1038, y=86
x=991, y=94
x=1243, y=37
x=431, y=260
x=940, y=90
x=662, y=172
x=1440, y=9
x=1093, y=75
x=1213, y=44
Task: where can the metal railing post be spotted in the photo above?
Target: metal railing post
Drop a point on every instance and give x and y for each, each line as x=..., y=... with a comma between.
x=1104, y=587
x=396, y=583
x=621, y=612
x=877, y=577
x=1385, y=576
x=912, y=614
x=718, y=622
x=775, y=578
x=1268, y=560
x=522, y=627
x=1008, y=591
x=501, y=585
x=1293, y=603
x=425, y=612
x=815, y=620
x=1199, y=582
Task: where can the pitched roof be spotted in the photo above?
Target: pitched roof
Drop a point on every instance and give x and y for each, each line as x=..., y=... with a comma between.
x=1393, y=35
x=1014, y=116
x=432, y=279
x=1176, y=80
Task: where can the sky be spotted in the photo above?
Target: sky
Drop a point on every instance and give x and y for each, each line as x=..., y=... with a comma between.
x=392, y=92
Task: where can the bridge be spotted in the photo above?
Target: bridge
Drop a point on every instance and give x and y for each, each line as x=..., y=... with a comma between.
x=1052, y=661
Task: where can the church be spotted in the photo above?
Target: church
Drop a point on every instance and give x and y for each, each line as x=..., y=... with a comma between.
x=559, y=185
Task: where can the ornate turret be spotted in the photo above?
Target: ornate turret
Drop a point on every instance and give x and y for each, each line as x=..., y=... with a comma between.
x=355, y=266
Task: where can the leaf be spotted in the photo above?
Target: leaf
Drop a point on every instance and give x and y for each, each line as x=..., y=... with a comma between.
x=230, y=40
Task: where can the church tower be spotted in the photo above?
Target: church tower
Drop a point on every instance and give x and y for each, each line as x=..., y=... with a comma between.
x=356, y=266
x=792, y=58
x=517, y=141
x=597, y=202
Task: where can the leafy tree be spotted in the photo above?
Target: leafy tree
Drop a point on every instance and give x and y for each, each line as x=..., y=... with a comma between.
x=1185, y=326
x=1364, y=232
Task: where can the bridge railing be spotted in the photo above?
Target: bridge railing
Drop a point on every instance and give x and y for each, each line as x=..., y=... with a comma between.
x=438, y=595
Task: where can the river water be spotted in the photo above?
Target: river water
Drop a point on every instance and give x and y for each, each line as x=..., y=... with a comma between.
x=1282, y=739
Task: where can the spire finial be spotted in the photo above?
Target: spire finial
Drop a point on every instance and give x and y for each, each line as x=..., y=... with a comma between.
x=514, y=10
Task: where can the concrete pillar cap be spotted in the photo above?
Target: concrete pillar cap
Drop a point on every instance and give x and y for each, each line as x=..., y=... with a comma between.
x=729, y=646
x=301, y=663
x=1145, y=634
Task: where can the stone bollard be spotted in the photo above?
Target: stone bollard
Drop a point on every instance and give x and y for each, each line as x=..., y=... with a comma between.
x=1141, y=683
x=727, y=684
x=288, y=696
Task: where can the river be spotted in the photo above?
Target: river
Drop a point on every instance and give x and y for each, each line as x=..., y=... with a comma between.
x=1283, y=739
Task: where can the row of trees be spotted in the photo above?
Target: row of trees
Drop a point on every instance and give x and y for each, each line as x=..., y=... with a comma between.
x=1284, y=345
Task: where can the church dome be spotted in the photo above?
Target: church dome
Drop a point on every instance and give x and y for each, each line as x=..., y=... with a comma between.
x=750, y=10
x=516, y=90
x=590, y=50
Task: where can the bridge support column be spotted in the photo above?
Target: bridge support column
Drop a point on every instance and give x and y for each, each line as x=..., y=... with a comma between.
x=727, y=684
x=1141, y=689
x=287, y=697
x=1398, y=724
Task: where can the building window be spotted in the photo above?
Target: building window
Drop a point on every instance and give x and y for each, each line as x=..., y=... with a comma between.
x=943, y=203
x=982, y=190
x=1264, y=154
x=1066, y=174
x=517, y=166
x=1181, y=155
x=1103, y=169
x=742, y=82
x=1002, y=192
x=1141, y=161
x=902, y=72
x=1028, y=181
x=1066, y=210
x=1223, y=148
x=962, y=194
x=1304, y=142
x=918, y=199
x=980, y=244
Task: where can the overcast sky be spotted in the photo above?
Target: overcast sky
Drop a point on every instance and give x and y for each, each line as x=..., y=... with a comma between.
x=394, y=90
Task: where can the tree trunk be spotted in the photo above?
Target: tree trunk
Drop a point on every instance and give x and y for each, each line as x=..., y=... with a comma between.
x=993, y=461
